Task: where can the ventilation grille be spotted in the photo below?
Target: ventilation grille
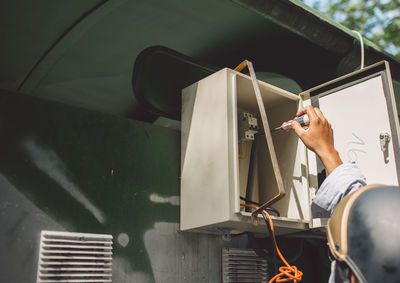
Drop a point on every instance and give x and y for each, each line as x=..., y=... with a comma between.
x=243, y=265
x=74, y=257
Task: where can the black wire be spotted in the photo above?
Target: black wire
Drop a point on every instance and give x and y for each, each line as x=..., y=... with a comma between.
x=251, y=171
x=48, y=50
x=249, y=201
x=261, y=252
x=269, y=209
x=273, y=243
x=250, y=180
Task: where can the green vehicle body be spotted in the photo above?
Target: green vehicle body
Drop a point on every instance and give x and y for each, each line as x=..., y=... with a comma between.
x=90, y=140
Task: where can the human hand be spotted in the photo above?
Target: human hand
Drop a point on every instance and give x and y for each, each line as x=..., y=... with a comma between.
x=318, y=137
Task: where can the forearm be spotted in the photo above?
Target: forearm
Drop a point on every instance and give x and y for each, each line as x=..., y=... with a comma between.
x=331, y=159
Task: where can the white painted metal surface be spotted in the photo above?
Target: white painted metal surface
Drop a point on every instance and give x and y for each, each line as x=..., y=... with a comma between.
x=362, y=117
x=212, y=177
x=74, y=257
x=205, y=178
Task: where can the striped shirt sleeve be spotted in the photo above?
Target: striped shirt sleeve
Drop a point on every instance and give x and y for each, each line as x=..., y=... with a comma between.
x=345, y=179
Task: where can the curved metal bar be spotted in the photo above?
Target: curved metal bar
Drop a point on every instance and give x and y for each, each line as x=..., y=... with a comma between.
x=270, y=143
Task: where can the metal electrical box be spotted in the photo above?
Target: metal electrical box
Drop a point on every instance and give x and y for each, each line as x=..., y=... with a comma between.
x=360, y=106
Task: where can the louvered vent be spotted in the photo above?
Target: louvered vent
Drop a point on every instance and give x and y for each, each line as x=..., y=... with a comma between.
x=243, y=265
x=74, y=257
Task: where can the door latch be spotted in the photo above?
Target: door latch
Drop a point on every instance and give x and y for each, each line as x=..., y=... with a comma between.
x=384, y=139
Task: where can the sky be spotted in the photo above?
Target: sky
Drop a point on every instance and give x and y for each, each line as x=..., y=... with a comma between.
x=311, y=2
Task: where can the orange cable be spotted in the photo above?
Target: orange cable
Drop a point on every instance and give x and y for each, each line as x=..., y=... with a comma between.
x=288, y=272
x=241, y=152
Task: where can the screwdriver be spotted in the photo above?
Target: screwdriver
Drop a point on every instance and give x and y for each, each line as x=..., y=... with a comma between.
x=303, y=120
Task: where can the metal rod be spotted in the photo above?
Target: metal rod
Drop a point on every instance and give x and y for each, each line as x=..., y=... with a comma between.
x=268, y=136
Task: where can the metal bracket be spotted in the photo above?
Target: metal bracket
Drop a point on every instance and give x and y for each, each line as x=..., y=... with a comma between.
x=270, y=144
x=384, y=139
x=226, y=234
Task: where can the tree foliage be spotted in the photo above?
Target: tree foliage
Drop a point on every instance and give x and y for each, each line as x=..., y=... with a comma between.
x=378, y=20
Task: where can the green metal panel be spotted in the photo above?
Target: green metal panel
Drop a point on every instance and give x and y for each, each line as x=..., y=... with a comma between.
x=27, y=29
x=91, y=172
x=91, y=66
x=160, y=74
x=66, y=168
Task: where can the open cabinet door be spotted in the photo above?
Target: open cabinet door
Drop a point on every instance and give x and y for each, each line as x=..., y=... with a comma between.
x=362, y=111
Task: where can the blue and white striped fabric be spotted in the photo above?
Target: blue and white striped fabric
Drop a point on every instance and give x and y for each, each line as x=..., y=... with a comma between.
x=345, y=179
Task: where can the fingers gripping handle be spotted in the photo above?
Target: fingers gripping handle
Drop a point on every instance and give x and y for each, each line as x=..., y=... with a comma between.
x=303, y=120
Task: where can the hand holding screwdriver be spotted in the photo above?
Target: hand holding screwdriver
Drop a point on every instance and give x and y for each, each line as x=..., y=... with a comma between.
x=318, y=137
x=303, y=120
